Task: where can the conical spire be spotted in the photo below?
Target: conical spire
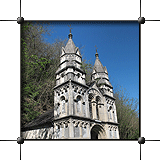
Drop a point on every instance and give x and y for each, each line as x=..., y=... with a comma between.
x=99, y=71
x=98, y=65
x=70, y=46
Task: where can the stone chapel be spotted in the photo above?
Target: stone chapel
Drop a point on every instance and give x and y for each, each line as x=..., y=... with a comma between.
x=81, y=111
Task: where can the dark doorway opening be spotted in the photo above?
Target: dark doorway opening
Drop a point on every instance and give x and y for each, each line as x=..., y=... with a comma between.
x=94, y=135
x=96, y=132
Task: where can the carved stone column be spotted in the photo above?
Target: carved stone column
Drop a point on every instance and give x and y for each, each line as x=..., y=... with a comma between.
x=80, y=128
x=71, y=131
x=54, y=130
x=62, y=124
x=70, y=99
x=56, y=134
x=94, y=110
x=88, y=130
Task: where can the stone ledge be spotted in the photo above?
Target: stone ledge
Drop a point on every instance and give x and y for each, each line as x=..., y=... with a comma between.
x=71, y=82
x=85, y=118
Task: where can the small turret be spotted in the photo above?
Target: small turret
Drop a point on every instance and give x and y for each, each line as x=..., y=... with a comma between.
x=100, y=75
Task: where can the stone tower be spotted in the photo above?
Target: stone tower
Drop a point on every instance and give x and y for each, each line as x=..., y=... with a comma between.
x=71, y=112
x=83, y=111
x=102, y=104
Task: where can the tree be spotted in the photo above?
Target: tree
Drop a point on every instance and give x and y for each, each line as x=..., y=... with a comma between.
x=127, y=114
x=87, y=66
x=39, y=62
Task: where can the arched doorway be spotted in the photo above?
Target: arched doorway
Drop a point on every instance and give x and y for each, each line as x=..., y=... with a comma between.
x=97, y=132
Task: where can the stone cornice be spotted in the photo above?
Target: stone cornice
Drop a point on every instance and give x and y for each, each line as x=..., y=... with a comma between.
x=61, y=84
x=70, y=66
x=86, y=119
x=66, y=118
x=72, y=54
x=109, y=96
x=80, y=84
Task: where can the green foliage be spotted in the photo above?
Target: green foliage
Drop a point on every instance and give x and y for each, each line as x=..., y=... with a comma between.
x=127, y=114
x=39, y=62
x=87, y=67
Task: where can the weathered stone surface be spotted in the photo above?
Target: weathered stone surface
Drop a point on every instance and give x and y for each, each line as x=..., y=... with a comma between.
x=44, y=133
x=76, y=132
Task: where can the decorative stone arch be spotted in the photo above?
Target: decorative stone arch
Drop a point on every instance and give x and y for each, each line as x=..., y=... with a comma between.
x=110, y=129
x=78, y=75
x=95, y=100
x=98, y=99
x=94, y=92
x=97, y=132
x=63, y=104
x=78, y=97
x=62, y=98
x=90, y=96
x=110, y=114
x=79, y=103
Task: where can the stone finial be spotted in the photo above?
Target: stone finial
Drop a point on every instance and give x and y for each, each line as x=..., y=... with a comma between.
x=96, y=55
x=96, y=52
x=70, y=34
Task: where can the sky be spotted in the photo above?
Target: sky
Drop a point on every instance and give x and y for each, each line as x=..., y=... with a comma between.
x=117, y=45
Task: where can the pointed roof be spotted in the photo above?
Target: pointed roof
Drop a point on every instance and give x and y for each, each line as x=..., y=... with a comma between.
x=70, y=46
x=42, y=119
x=98, y=65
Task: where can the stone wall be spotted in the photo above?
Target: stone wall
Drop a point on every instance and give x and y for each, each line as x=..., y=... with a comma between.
x=81, y=130
x=43, y=133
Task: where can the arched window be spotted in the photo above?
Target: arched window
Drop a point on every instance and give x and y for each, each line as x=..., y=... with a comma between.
x=62, y=75
x=90, y=109
x=90, y=97
x=78, y=75
x=79, y=103
x=110, y=133
x=62, y=79
x=114, y=118
x=115, y=133
x=110, y=113
x=97, y=111
x=63, y=104
x=98, y=100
